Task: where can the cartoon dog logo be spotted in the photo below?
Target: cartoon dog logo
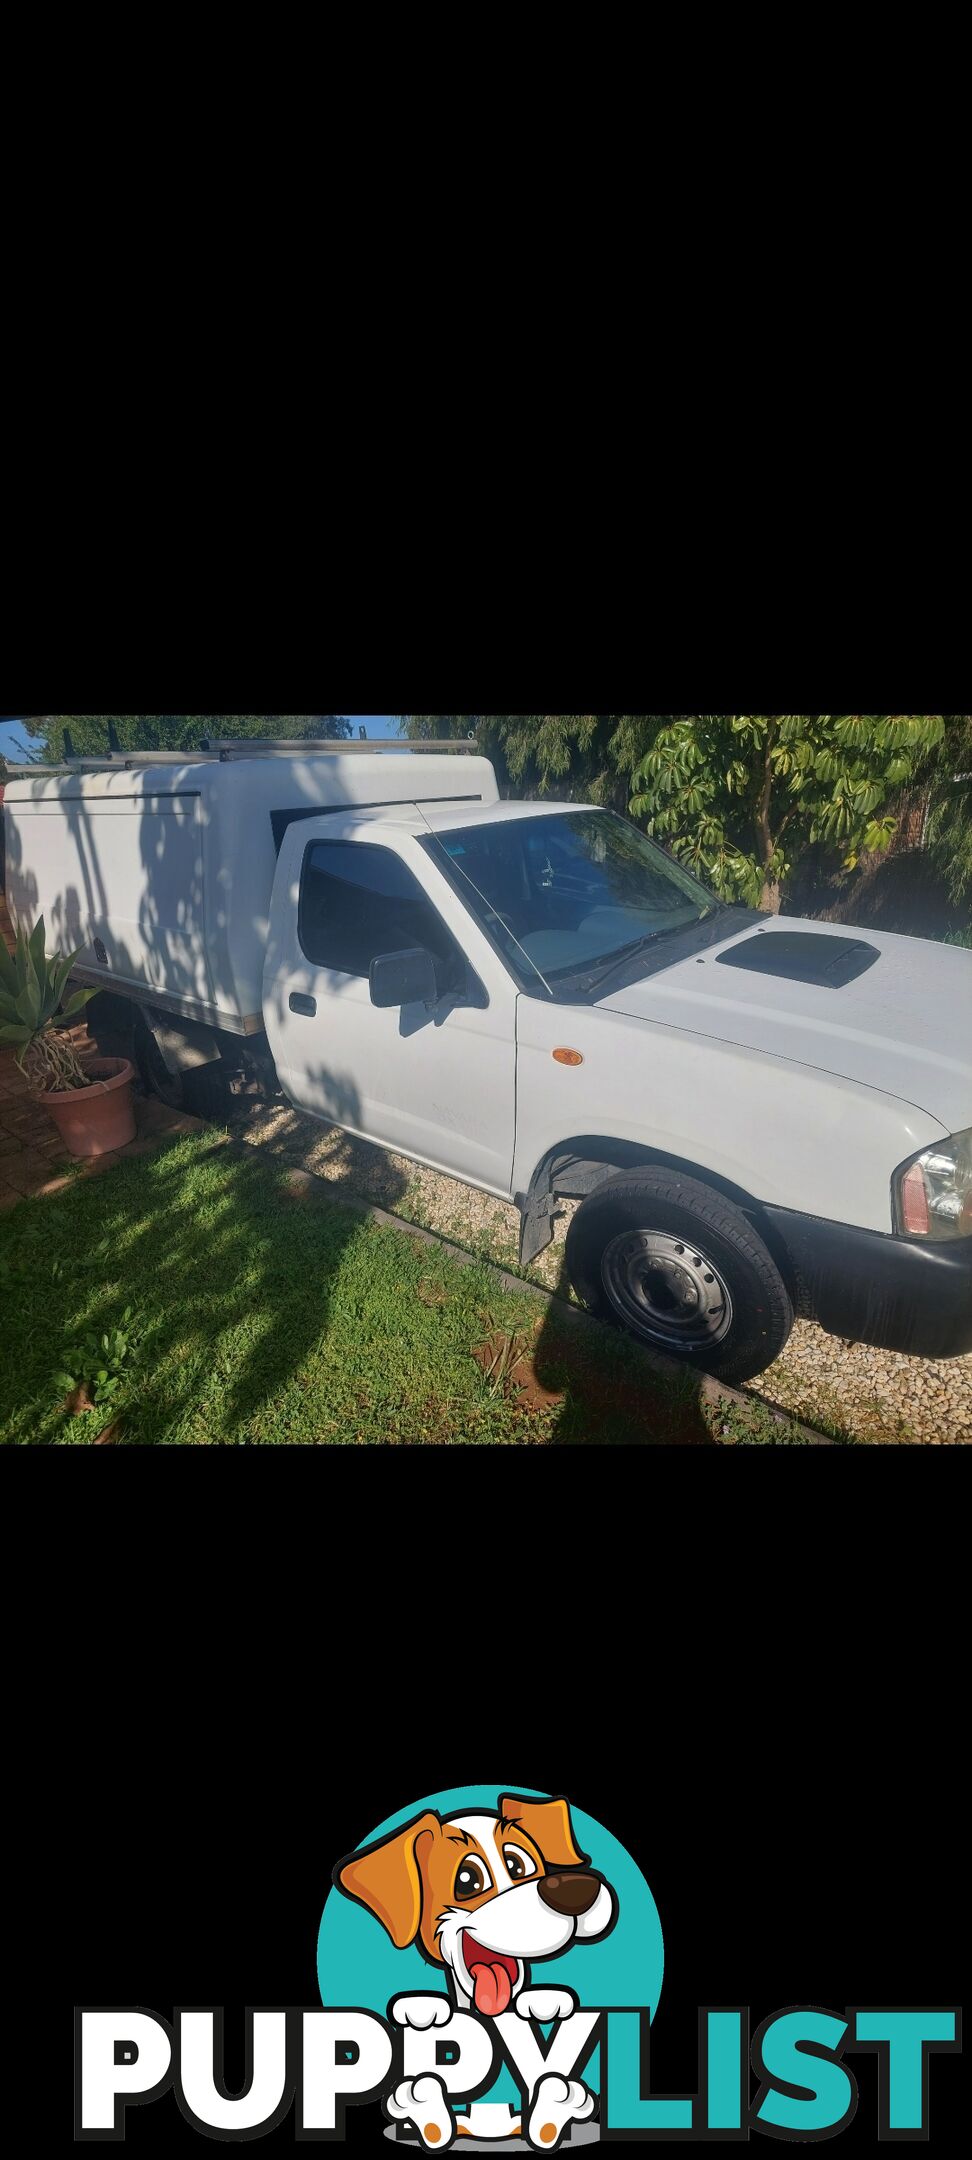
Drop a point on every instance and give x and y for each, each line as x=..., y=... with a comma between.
x=486, y=1896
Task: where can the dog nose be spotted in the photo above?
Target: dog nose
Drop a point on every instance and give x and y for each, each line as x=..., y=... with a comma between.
x=569, y=1893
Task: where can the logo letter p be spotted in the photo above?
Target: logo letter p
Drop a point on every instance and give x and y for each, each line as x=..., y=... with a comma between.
x=121, y=2055
x=347, y=2056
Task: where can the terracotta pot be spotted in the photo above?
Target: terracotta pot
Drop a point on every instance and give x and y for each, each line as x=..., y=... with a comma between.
x=97, y=1119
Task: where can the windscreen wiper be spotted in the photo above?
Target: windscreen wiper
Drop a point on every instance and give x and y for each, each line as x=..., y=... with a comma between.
x=619, y=960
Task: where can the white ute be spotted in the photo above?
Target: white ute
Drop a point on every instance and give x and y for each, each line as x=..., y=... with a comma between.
x=760, y=1115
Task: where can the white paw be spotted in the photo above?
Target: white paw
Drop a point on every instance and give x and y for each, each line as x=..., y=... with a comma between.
x=421, y=2011
x=422, y=2101
x=544, y=2004
x=557, y=2102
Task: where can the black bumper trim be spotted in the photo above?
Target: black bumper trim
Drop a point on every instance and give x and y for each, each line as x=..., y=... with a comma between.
x=895, y=1293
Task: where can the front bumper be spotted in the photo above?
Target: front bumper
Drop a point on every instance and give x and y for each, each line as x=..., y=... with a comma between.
x=897, y=1293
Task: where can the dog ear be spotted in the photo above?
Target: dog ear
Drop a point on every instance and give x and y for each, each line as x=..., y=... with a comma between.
x=386, y=1878
x=548, y=1823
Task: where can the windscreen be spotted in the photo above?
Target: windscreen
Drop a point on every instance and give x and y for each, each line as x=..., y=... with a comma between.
x=559, y=895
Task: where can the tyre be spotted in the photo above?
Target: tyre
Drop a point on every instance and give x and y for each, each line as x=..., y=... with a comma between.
x=111, y=1026
x=682, y=1269
x=202, y=1090
x=205, y=1092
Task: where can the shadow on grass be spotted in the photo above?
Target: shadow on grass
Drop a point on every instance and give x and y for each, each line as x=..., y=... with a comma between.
x=227, y=1310
x=613, y=1396
x=296, y=1140
x=261, y=1316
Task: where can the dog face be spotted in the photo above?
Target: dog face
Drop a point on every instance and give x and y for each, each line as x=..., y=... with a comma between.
x=483, y=1894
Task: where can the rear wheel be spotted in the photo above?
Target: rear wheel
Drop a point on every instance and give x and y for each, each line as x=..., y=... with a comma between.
x=168, y=1086
x=200, y=1090
x=681, y=1268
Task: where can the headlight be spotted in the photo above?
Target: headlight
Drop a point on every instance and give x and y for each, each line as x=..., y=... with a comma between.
x=933, y=1194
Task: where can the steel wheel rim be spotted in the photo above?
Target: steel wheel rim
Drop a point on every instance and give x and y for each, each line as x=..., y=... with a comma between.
x=666, y=1289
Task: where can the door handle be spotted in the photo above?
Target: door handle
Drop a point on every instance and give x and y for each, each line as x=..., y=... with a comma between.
x=301, y=1004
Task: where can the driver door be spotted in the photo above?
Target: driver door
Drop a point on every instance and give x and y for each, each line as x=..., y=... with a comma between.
x=436, y=1083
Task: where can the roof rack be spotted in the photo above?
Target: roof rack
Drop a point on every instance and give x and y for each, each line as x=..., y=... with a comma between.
x=131, y=760
x=327, y=746
x=122, y=761
x=42, y=772
x=125, y=760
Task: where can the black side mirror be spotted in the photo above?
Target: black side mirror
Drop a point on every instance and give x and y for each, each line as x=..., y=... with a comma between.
x=404, y=978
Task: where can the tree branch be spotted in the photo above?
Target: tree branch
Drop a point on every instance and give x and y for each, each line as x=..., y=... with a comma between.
x=763, y=833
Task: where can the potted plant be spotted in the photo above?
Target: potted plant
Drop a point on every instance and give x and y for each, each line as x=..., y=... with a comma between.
x=91, y=1103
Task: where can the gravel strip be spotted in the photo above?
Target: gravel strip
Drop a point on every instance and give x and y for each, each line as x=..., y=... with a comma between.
x=872, y=1395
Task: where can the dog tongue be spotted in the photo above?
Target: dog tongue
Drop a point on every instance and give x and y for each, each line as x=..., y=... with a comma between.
x=492, y=1990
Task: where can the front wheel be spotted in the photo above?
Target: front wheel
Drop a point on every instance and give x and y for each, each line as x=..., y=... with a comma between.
x=681, y=1268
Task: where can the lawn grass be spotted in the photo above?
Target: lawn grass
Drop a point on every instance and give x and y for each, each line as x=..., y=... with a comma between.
x=256, y=1318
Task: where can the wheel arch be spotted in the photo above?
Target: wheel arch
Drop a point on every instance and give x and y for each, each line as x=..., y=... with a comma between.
x=577, y=1166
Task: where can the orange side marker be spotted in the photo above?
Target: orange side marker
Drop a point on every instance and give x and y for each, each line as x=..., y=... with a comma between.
x=568, y=1057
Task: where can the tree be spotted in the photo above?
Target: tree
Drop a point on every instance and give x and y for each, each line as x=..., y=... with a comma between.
x=738, y=796
x=584, y=756
x=948, y=833
x=178, y=731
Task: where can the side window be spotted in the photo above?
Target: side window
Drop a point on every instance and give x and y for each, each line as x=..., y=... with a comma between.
x=358, y=901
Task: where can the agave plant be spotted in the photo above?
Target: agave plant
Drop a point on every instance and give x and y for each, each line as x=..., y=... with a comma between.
x=33, y=1010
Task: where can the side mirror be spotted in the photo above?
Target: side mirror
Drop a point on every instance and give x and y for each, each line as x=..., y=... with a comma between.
x=404, y=978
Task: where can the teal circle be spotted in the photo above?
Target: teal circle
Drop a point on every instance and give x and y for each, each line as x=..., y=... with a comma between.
x=359, y=1967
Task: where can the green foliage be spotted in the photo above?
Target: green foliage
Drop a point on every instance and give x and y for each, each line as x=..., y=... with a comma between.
x=949, y=831
x=99, y=1364
x=178, y=731
x=585, y=757
x=737, y=797
x=33, y=1006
